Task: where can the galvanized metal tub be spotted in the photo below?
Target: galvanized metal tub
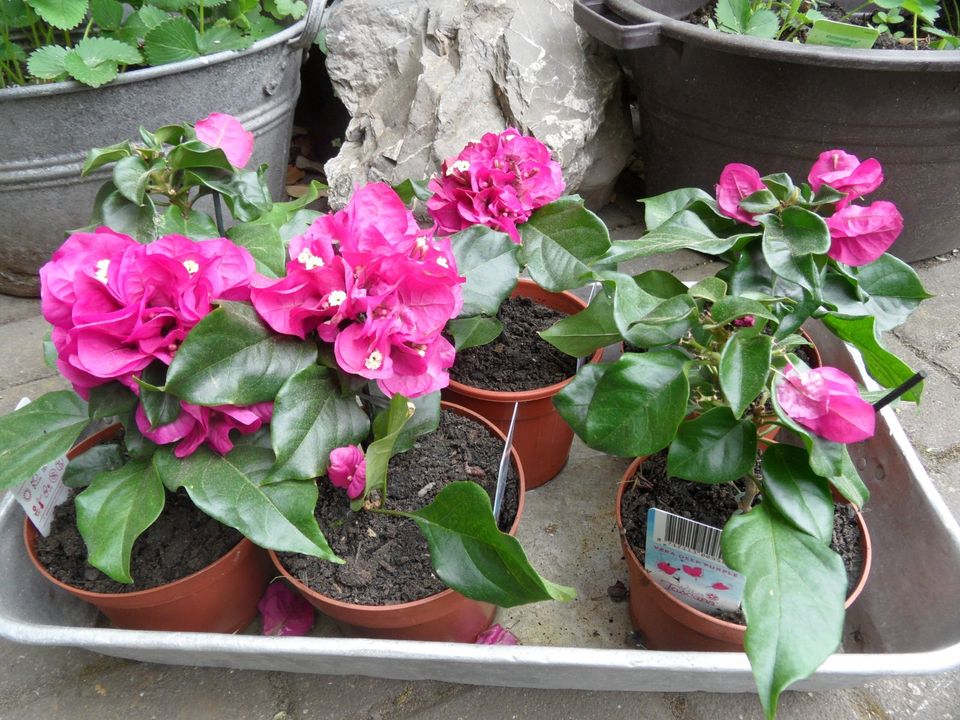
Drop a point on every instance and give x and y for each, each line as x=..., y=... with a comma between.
x=917, y=563
x=46, y=131
x=709, y=98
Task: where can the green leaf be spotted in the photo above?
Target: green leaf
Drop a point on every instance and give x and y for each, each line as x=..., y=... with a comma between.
x=196, y=226
x=488, y=260
x=294, y=9
x=245, y=193
x=194, y=154
x=47, y=63
x=473, y=331
x=386, y=430
x=885, y=367
x=793, y=598
x=83, y=468
x=105, y=155
x=684, y=231
x=712, y=289
x=311, y=418
x=232, y=489
x=130, y=177
x=849, y=484
x=410, y=189
x=110, y=400
x=112, y=209
x=107, y=14
x=762, y=201
x=172, y=40
x=744, y=366
x=38, y=434
x=264, y=243
x=630, y=407
x=713, y=448
x=791, y=242
x=220, y=38
x=561, y=241
x=586, y=331
x=161, y=408
x=426, y=419
x=800, y=495
x=660, y=208
x=92, y=74
x=473, y=557
x=894, y=290
x=232, y=358
x=763, y=24
x=62, y=14
x=114, y=511
x=660, y=283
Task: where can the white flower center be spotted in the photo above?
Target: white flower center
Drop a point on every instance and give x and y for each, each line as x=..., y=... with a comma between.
x=508, y=138
x=309, y=260
x=374, y=360
x=442, y=262
x=101, y=273
x=191, y=266
x=458, y=166
x=336, y=298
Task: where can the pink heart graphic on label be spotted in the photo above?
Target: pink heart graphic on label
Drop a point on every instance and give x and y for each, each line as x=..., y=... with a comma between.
x=693, y=571
x=667, y=568
x=720, y=586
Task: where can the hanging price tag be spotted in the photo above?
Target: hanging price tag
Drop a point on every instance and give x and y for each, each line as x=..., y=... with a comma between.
x=43, y=492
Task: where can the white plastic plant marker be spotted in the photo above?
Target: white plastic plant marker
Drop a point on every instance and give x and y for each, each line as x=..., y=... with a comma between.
x=41, y=494
x=504, y=464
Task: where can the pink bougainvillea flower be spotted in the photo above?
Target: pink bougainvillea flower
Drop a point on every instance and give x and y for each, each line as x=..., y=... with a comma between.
x=846, y=174
x=693, y=571
x=224, y=131
x=211, y=425
x=738, y=181
x=667, y=568
x=826, y=401
x=497, y=182
x=747, y=321
x=720, y=586
x=348, y=469
x=859, y=235
x=285, y=612
x=496, y=635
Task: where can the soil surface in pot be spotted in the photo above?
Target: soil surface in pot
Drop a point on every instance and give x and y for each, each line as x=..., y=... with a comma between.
x=713, y=505
x=519, y=359
x=182, y=541
x=387, y=559
x=886, y=41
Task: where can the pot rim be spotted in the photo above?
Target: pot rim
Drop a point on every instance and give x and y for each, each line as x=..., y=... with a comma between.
x=287, y=34
x=893, y=60
x=443, y=595
x=513, y=396
x=676, y=603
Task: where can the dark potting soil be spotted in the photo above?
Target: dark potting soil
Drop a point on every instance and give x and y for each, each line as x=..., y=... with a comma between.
x=519, y=359
x=387, y=559
x=713, y=505
x=182, y=541
x=886, y=41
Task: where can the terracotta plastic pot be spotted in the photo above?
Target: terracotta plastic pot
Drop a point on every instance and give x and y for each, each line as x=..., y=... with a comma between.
x=542, y=437
x=221, y=597
x=447, y=616
x=668, y=623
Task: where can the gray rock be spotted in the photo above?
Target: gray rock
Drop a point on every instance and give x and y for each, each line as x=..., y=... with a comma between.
x=421, y=78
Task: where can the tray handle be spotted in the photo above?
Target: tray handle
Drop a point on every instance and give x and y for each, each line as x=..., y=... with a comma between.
x=312, y=24
x=611, y=29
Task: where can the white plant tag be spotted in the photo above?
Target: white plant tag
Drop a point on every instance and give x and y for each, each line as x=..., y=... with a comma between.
x=39, y=495
x=683, y=556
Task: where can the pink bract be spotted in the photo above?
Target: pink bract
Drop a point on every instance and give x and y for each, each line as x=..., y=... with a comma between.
x=826, y=401
x=497, y=182
x=285, y=612
x=496, y=635
x=348, y=470
x=846, y=174
x=224, y=131
x=737, y=181
x=859, y=235
x=211, y=425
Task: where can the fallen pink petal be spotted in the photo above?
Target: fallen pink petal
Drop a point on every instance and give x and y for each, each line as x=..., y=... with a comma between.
x=284, y=611
x=497, y=635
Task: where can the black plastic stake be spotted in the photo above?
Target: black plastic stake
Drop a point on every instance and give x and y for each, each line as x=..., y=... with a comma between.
x=218, y=211
x=898, y=391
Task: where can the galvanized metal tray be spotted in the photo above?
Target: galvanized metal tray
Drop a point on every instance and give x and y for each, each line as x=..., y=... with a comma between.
x=905, y=623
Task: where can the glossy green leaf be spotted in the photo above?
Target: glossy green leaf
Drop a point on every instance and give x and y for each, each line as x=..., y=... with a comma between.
x=62, y=14
x=130, y=177
x=791, y=243
x=894, y=290
x=112, y=209
x=194, y=155
x=196, y=226
x=660, y=208
x=110, y=400
x=488, y=260
x=232, y=488
x=630, y=407
x=744, y=366
x=264, y=243
x=386, y=431
x=105, y=155
x=586, y=331
x=793, y=598
x=711, y=288
x=801, y=496
x=561, y=243
x=665, y=324
x=100, y=458
x=48, y=62
x=713, y=448
x=473, y=557
x=38, y=434
x=473, y=331
x=232, y=358
x=161, y=408
x=114, y=511
x=762, y=201
x=173, y=40
x=408, y=190
x=311, y=418
x=849, y=484
x=245, y=193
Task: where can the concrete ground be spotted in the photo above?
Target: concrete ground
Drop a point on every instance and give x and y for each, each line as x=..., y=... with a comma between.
x=40, y=683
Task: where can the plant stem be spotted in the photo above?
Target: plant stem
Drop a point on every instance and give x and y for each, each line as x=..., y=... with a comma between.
x=391, y=513
x=749, y=493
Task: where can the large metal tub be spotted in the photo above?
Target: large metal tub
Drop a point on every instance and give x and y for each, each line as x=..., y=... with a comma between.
x=896, y=628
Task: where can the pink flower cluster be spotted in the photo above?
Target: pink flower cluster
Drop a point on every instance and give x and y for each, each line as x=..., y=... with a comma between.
x=117, y=306
x=859, y=235
x=826, y=401
x=376, y=285
x=348, y=470
x=497, y=182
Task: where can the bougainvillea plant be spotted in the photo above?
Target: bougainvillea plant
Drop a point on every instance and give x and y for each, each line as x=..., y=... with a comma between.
x=237, y=376
x=712, y=370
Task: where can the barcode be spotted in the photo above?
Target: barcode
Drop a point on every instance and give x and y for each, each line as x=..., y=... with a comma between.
x=691, y=535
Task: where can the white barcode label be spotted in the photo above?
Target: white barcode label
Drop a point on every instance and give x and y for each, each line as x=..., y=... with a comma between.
x=684, y=557
x=41, y=494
